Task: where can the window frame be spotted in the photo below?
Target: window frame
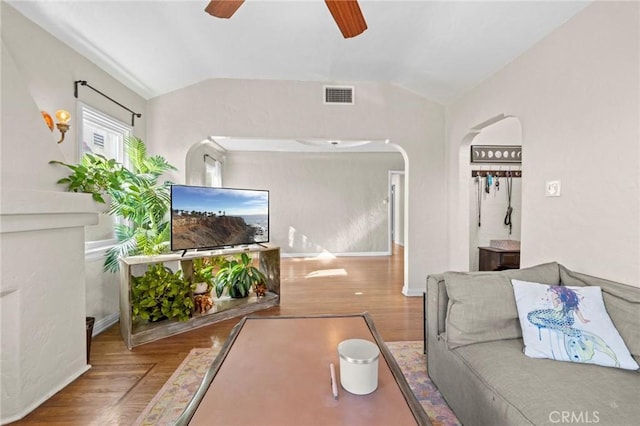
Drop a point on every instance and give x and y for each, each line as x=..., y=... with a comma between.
x=213, y=171
x=95, y=249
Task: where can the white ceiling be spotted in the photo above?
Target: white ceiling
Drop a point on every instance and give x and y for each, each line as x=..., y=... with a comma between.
x=436, y=49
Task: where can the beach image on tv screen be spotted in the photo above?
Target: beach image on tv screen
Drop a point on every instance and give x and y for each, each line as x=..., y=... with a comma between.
x=204, y=217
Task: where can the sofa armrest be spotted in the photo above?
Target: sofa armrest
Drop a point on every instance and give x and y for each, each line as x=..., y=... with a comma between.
x=437, y=302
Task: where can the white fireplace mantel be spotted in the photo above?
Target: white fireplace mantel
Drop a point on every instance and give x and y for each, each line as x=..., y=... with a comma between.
x=42, y=295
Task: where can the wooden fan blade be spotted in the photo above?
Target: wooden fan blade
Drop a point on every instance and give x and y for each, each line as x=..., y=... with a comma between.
x=223, y=8
x=348, y=16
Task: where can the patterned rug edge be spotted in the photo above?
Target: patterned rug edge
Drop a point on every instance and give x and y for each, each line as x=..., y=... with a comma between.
x=412, y=360
x=169, y=402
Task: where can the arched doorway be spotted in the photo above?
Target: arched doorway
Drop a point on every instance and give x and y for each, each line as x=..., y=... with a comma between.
x=278, y=164
x=201, y=161
x=487, y=204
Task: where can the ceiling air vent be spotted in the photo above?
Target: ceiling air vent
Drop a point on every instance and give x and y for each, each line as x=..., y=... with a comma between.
x=339, y=95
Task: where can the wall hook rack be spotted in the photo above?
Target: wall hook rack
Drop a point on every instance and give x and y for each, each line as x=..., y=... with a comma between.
x=497, y=173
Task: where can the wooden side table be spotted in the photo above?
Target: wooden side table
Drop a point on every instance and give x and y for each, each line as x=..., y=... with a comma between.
x=497, y=259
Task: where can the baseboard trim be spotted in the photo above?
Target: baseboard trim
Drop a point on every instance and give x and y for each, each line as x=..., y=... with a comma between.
x=411, y=292
x=329, y=254
x=103, y=323
x=44, y=398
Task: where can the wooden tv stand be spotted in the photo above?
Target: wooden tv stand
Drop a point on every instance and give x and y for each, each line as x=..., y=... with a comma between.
x=137, y=332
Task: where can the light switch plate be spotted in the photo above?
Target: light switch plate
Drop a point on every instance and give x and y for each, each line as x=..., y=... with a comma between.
x=552, y=188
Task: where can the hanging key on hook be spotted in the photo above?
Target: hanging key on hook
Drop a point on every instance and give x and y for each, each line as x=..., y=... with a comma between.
x=488, y=183
x=497, y=184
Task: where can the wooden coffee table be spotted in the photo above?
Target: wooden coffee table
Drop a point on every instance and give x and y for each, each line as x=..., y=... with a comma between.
x=275, y=371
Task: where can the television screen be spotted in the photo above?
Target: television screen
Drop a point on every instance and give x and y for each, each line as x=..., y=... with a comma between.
x=206, y=217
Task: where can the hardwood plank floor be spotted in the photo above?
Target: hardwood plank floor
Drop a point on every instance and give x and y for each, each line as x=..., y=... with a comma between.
x=121, y=383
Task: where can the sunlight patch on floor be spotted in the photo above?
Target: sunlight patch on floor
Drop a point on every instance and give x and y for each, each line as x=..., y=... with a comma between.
x=323, y=273
x=326, y=255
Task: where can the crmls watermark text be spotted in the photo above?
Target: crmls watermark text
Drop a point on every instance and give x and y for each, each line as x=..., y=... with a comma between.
x=574, y=417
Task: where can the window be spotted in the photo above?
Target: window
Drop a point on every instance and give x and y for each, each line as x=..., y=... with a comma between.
x=104, y=135
x=213, y=171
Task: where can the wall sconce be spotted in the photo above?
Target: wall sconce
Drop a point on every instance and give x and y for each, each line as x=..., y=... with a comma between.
x=47, y=119
x=63, y=122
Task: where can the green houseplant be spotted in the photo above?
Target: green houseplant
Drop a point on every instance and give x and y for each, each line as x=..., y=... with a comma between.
x=161, y=294
x=203, y=273
x=94, y=174
x=202, y=279
x=237, y=275
x=137, y=198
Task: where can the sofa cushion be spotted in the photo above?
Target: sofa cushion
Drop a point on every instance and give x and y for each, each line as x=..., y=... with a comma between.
x=569, y=324
x=541, y=390
x=622, y=303
x=545, y=273
x=482, y=305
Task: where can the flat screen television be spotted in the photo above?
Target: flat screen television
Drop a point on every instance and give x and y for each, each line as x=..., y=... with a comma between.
x=205, y=217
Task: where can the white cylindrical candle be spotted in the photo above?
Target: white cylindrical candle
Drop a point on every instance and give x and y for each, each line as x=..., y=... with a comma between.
x=358, y=366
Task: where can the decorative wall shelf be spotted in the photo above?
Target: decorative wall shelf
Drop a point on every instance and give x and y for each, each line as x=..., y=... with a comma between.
x=496, y=154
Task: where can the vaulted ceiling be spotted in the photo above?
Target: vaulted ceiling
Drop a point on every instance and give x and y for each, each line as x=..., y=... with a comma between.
x=438, y=49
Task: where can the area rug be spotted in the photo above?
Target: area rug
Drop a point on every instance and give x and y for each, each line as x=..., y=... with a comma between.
x=413, y=363
x=174, y=396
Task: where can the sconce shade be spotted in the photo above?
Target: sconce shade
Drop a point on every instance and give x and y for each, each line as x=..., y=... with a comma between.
x=47, y=119
x=63, y=116
x=63, y=122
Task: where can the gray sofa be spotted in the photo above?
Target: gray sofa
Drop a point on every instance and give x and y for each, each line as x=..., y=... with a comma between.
x=475, y=354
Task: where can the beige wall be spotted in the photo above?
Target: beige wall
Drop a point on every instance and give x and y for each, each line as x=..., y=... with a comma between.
x=46, y=294
x=42, y=283
x=321, y=202
x=577, y=95
x=294, y=110
x=49, y=68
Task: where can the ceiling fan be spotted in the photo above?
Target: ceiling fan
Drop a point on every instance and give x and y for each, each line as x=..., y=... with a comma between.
x=346, y=13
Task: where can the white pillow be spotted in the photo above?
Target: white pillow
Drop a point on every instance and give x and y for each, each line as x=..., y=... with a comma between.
x=569, y=324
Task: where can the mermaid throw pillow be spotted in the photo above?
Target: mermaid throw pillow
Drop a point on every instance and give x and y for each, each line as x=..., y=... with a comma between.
x=569, y=324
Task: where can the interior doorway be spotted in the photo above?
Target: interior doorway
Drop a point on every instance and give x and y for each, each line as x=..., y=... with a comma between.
x=203, y=164
x=286, y=165
x=396, y=208
x=494, y=203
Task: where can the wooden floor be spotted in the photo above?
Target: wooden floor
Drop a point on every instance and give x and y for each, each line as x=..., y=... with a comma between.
x=121, y=382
